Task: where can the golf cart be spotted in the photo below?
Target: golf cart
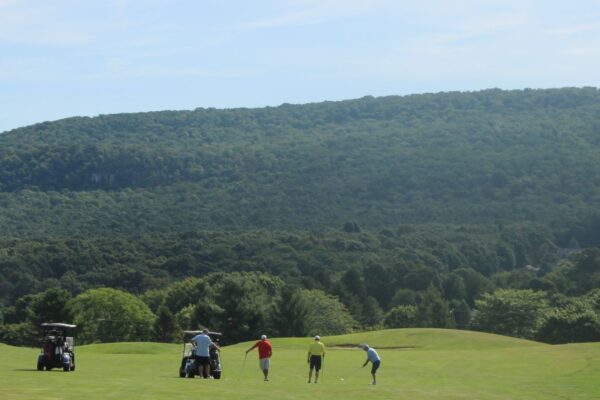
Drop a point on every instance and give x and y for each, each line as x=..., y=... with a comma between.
x=188, y=365
x=58, y=349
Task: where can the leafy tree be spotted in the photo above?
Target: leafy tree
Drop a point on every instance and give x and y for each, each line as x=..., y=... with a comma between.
x=19, y=334
x=403, y=316
x=404, y=297
x=109, y=315
x=292, y=312
x=247, y=301
x=475, y=283
x=433, y=310
x=586, y=271
x=352, y=292
x=51, y=306
x=326, y=314
x=461, y=312
x=165, y=326
x=372, y=312
x=378, y=283
x=510, y=312
x=575, y=322
x=154, y=299
x=454, y=287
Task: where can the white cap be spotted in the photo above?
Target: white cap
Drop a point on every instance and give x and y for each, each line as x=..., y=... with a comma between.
x=317, y=337
x=263, y=337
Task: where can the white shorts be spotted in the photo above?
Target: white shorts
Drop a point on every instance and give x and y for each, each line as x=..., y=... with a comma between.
x=264, y=363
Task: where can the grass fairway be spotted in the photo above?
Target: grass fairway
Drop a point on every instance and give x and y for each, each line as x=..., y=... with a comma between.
x=416, y=364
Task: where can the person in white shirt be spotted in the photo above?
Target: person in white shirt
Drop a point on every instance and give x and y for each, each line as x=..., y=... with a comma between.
x=375, y=360
x=202, y=344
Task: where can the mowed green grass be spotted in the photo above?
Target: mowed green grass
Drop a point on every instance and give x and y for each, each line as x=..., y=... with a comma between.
x=416, y=364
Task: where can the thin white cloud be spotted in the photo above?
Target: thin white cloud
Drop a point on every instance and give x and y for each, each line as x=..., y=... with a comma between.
x=576, y=29
x=310, y=12
x=29, y=22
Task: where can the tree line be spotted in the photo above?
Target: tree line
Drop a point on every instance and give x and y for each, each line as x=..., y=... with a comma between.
x=512, y=280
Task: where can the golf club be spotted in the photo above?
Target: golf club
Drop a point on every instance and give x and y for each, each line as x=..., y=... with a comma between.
x=243, y=366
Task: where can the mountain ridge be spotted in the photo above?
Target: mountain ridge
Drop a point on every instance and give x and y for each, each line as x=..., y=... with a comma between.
x=475, y=157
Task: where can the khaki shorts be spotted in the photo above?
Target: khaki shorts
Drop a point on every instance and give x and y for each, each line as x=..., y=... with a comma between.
x=264, y=363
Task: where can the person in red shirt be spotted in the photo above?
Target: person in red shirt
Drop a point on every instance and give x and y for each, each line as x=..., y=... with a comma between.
x=265, y=350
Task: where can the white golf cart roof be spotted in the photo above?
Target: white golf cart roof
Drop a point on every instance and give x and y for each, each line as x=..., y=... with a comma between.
x=58, y=325
x=194, y=333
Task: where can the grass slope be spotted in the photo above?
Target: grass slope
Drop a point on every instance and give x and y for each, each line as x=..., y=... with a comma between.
x=416, y=364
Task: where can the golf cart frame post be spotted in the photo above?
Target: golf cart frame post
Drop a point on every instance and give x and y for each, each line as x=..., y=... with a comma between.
x=57, y=348
x=188, y=365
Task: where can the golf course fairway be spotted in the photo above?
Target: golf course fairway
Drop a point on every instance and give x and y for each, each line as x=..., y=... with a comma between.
x=416, y=364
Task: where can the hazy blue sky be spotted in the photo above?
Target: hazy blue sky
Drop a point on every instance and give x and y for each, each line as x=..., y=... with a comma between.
x=61, y=58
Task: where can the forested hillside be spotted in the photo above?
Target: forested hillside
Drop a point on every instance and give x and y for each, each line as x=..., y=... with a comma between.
x=438, y=210
x=452, y=158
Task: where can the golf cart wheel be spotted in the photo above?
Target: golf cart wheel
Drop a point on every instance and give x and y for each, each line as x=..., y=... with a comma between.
x=66, y=367
x=72, y=367
x=217, y=375
x=40, y=367
x=181, y=373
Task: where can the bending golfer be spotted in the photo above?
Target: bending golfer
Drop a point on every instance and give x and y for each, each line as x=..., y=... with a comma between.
x=265, y=351
x=202, y=344
x=316, y=353
x=375, y=359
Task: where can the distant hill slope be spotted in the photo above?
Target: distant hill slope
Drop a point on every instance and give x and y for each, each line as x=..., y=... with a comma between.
x=451, y=157
x=414, y=339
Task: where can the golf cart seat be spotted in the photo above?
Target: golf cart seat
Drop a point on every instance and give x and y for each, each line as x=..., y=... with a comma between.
x=188, y=349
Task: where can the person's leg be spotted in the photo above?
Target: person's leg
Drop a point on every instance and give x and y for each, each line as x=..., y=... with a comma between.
x=264, y=364
x=205, y=367
x=310, y=373
x=374, y=371
x=199, y=367
x=317, y=368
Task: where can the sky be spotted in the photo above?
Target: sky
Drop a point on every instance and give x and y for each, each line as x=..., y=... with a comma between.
x=63, y=58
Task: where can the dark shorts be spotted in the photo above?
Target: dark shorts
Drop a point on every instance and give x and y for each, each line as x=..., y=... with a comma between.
x=375, y=366
x=315, y=362
x=202, y=360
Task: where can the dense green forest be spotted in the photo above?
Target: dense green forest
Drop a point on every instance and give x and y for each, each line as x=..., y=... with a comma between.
x=470, y=210
x=484, y=157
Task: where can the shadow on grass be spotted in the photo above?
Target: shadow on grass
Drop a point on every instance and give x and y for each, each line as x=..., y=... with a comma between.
x=359, y=346
x=35, y=370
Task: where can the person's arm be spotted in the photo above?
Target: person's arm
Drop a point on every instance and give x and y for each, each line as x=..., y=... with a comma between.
x=252, y=348
x=366, y=362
